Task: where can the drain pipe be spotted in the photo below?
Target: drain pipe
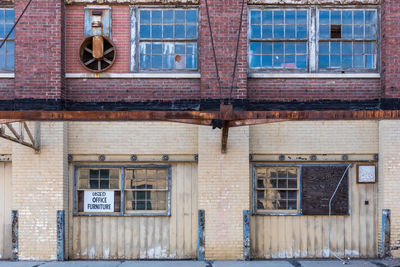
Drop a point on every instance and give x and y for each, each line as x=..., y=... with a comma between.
x=330, y=207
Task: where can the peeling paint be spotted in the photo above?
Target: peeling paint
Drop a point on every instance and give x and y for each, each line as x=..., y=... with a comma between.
x=92, y=252
x=314, y=2
x=190, y=2
x=106, y=253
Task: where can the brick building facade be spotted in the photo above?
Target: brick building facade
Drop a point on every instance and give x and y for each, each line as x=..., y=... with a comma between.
x=317, y=80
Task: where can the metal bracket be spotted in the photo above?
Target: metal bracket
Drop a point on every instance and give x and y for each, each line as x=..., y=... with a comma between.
x=18, y=135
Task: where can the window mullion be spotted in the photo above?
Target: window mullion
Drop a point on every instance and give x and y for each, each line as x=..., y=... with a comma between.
x=312, y=40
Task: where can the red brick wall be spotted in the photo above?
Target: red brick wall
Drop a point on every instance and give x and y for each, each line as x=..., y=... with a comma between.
x=390, y=24
x=39, y=50
x=313, y=89
x=6, y=89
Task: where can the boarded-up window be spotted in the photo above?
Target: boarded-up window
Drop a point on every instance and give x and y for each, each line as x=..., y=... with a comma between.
x=318, y=185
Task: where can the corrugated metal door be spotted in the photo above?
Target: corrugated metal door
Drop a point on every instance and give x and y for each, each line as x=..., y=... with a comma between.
x=5, y=210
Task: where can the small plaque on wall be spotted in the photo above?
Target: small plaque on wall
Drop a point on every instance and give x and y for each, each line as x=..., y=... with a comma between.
x=366, y=173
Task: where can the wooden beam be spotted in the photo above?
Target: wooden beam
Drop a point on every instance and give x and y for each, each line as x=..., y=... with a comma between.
x=224, y=137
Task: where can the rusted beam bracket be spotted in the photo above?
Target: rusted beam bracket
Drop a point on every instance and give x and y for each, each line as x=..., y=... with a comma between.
x=224, y=139
x=18, y=135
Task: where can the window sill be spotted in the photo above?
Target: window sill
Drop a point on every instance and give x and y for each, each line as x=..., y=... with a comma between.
x=5, y=75
x=314, y=75
x=133, y=75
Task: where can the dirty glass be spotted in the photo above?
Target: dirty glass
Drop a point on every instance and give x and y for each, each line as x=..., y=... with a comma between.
x=276, y=188
x=168, y=39
x=146, y=189
x=98, y=178
x=7, y=51
x=347, y=39
x=278, y=39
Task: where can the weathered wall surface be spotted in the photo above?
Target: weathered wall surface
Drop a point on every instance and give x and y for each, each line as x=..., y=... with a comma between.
x=132, y=138
x=223, y=189
x=6, y=89
x=314, y=2
x=315, y=137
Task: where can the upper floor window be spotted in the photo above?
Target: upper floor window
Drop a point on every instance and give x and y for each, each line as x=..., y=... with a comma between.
x=313, y=40
x=7, y=51
x=167, y=39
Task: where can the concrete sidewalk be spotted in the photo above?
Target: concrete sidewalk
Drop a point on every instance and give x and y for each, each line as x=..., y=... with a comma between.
x=270, y=263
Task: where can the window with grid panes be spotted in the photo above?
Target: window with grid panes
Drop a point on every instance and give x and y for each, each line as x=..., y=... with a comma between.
x=7, y=51
x=167, y=39
x=276, y=189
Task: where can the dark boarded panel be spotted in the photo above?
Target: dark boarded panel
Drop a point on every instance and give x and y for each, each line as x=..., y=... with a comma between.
x=318, y=185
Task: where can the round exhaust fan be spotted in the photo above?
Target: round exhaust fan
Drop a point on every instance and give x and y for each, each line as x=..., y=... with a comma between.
x=97, y=53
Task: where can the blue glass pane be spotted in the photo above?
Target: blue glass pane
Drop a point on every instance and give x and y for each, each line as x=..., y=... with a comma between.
x=191, y=31
x=347, y=62
x=9, y=16
x=168, y=49
x=8, y=29
x=144, y=62
x=370, y=32
x=156, y=31
x=168, y=17
x=278, y=17
x=2, y=33
x=156, y=48
x=3, y=50
x=145, y=48
x=347, y=31
x=267, y=48
x=10, y=48
x=324, y=48
x=144, y=17
x=2, y=17
x=278, y=32
x=347, y=48
x=144, y=31
x=190, y=62
x=180, y=17
x=289, y=48
x=335, y=61
x=179, y=49
x=255, y=61
x=335, y=48
x=290, y=17
x=336, y=17
x=302, y=32
x=168, y=62
x=10, y=62
x=255, y=17
x=255, y=31
x=168, y=31
x=323, y=61
x=191, y=16
x=370, y=61
x=324, y=32
x=267, y=17
x=358, y=62
x=255, y=48
x=358, y=31
x=290, y=61
x=278, y=61
x=301, y=17
x=267, y=31
x=370, y=17
x=2, y=62
x=278, y=48
x=324, y=17
x=191, y=48
x=156, y=17
x=301, y=61
x=179, y=31
x=358, y=48
x=369, y=47
x=358, y=17
x=267, y=61
x=347, y=17
x=301, y=47
x=156, y=62
x=290, y=32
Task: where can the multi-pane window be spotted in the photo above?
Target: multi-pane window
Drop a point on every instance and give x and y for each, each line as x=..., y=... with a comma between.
x=313, y=40
x=347, y=39
x=276, y=189
x=7, y=51
x=168, y=39
x=123, y=190
x=278, y=39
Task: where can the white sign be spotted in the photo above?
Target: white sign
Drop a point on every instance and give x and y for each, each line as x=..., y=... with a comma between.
x=366, y=174
x=99, y=201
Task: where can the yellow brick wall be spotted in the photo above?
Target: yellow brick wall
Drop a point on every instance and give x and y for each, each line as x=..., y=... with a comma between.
x=389, y=178
x=132, y=138
x=315, y=137
x=223, y=184
x=39, y=190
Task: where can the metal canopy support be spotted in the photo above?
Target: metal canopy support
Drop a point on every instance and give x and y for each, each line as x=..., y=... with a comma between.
x=18, y=135
x=224, y=139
